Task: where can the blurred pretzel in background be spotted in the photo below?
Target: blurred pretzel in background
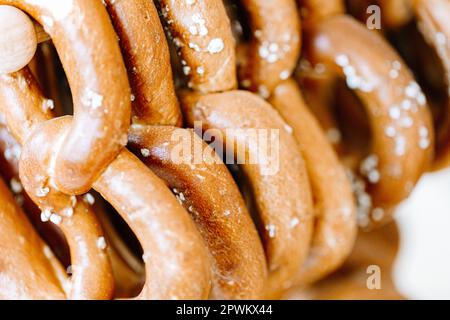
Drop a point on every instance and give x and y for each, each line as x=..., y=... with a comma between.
x=203, y=231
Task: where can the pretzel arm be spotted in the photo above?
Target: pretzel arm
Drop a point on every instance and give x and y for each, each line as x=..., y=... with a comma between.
x=144, y=46
x=335, y=226
x=272, y=54
x=201, y=32
x=99, y=85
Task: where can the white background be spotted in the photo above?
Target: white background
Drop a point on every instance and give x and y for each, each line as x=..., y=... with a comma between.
x=422, y=268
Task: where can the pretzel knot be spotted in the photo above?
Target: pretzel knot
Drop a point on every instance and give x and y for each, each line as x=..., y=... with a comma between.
x=99, y=128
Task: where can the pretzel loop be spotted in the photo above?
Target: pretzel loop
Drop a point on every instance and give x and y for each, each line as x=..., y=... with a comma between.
x=402, y=139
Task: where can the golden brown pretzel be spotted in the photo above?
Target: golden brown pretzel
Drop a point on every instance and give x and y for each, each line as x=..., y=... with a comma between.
x=144, y=46
x=432, y=20
x=201, y=32
x=76, y=27
x=335, y=226
x=207, y=190
x=272, y=54
x=282, y=199
x=402, y=138
x=167, y=235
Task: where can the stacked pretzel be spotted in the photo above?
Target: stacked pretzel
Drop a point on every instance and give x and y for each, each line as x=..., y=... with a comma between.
x=135, y=70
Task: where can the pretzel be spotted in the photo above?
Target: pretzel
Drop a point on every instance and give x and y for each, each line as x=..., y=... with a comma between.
x=139, y=196
x=400, y=121
x=274, y=48
x=335, y=229
x=99, y=101
x=394, y=14
x=154, y=99
x=285, y=226
x=239, y=268
x=432, y=21
x=201, y=32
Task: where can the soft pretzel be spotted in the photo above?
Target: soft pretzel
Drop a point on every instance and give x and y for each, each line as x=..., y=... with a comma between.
x=166, y=233
x=272, y=53
x=432, y=21
x=144, y=46
x=335, y=226
x=239, y=267
x=201, y=32
x=99, y=85
x=402, y=138
x=282, y=199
